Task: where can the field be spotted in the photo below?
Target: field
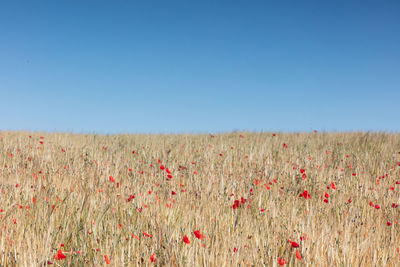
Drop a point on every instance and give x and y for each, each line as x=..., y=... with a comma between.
x=234, y=199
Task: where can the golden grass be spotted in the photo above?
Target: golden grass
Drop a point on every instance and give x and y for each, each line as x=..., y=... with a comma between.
x=50, y=197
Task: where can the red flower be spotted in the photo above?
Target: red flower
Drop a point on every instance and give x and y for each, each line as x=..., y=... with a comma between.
x=169, y=176
x=293, y=244
x=377, y=207
x=333, y=185
x=298, y=255
x=131, y=197
x=173, y=193
x=146, y=234
x=162, y=167
x=60, y=255
x=389, y=223
x=186, y=239
x=282, y=261
x=111, y=179
x=153, y=258
x=107, y=259
x=168, y=171
x=305, y=194
x=326, y=195
x=198, y=235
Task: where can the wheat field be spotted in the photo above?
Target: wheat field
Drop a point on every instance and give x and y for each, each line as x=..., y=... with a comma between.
x=233, y=199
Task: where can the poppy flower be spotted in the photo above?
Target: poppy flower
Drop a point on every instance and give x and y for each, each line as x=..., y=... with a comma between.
x=198, y=235
x=107, y=259
x=282, y=261
x=111, y=179
x=60, y=255
x=130, y=199
x=146, y=234
x=162, y=167
x=153, y=258
x=186, y=239
x=298, y=255
x=333, y=185
x=305, y=194
x=293, y=244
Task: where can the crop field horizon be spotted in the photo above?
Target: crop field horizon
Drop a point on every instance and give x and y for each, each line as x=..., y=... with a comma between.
x=229, y=199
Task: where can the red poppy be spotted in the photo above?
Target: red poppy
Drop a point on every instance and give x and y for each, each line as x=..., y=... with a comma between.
x=293, y=244
x=186, y=239
x=305, y=194
x=282, y=261
x=107, y=259
x=130, y=199
x=60, y=255
x=198, y=235
x=333, y=185
x=298, y=255
x=153, y=258
x=146, y=234
x=111, y=179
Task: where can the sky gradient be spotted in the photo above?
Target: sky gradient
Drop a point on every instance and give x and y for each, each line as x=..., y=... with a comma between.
x=199, y=66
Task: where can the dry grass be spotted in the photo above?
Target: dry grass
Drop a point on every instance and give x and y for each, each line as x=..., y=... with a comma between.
x=67, y=198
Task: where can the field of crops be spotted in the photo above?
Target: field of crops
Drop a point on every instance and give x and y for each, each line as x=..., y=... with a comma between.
x=248, y=199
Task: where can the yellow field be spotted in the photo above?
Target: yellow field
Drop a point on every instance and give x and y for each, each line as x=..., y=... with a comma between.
x=89, y=200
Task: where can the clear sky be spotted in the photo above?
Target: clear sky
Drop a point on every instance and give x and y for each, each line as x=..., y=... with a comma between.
x=199, y=66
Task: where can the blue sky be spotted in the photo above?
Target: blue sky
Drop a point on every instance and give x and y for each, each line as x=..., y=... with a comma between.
x=199, y=66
